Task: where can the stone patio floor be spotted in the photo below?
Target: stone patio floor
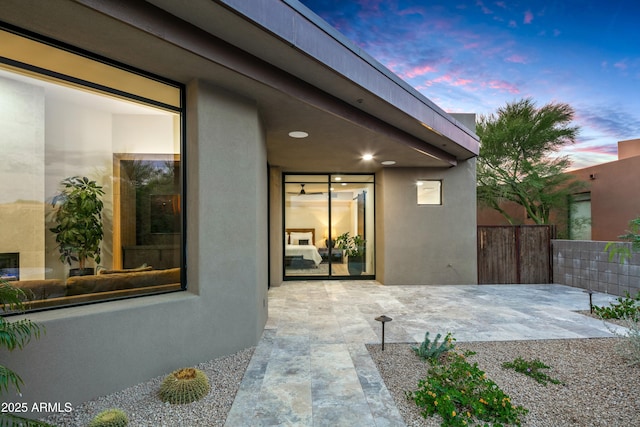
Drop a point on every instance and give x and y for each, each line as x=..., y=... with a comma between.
x=311, y=366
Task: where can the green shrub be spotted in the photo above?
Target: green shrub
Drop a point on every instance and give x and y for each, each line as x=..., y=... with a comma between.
x=433, y=350
x=625, y=307
x=11, y=420
x=622, y=251
x=185, y=385
x=110, y=418
x=531, y=368
x=462, y=395
x=15, y=334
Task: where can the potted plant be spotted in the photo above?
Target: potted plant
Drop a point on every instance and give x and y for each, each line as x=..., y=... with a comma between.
x=353, y=248
x=78, y=218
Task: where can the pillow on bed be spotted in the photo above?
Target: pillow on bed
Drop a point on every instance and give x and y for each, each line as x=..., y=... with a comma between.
x=286, y=238
x=296, y=237
x=303, y=241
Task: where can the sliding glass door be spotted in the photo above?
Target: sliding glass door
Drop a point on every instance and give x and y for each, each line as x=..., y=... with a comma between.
x=329, y=226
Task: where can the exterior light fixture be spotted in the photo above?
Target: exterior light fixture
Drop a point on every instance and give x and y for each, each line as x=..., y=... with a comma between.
x=388, y=162
x=367, y=157
x=298, y=134
x=383, y=319
x=590, y=292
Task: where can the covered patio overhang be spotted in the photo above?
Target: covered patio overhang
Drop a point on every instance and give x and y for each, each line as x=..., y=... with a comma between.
x=302, y=74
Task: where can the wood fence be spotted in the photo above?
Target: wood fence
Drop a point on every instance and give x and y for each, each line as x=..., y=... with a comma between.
x=515, y=254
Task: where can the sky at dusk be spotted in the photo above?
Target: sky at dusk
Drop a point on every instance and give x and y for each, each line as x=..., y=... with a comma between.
x=474, y=56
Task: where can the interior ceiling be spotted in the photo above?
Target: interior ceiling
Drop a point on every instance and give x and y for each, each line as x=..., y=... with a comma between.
x=335, y=143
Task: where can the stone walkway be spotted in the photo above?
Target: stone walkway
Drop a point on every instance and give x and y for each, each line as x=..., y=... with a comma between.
x=311, y=367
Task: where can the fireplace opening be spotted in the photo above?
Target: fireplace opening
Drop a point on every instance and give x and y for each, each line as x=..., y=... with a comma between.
x=10, y=266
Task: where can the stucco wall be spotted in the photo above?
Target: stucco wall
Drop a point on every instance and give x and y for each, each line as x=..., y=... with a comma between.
x=275, y=227
x=84, y=350
x=613, y=187
x=423, y=245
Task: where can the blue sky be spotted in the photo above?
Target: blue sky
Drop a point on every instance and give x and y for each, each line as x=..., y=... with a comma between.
x=477, y=55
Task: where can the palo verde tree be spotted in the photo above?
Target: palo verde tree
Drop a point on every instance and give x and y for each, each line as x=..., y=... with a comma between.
x=518, y=159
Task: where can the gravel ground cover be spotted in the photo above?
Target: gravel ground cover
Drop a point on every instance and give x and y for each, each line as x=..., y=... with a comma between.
x=144, y=409
x=599, y=387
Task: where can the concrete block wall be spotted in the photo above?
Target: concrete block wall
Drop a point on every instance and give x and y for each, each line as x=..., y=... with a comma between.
x=585, y=264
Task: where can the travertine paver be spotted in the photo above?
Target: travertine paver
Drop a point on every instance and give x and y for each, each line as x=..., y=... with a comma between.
x=311, y=367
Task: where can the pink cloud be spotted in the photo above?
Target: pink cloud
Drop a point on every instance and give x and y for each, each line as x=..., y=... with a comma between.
x=411, y=11
x=528, y=17
x=461, y=82
x=501, y=4
x=518, y=59
x=484, y=8
x=621, y=65
x=448, y=79
x=513, y=24
x=597, y=149
x=418, y=71
x=502, y=86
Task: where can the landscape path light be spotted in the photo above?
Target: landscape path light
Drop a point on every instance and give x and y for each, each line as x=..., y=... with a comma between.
x=590, y=292
x=383, y=319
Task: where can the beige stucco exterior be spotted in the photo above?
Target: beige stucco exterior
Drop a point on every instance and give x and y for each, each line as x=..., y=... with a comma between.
x=239, y=106
x=613, y=188
x=96, y=349
x=432, y=245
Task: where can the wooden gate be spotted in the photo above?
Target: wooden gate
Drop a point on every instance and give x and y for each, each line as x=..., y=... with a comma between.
x=515, y=254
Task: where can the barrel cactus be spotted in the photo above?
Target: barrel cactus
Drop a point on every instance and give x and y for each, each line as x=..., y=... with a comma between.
x=110, y=418
x=185, y=385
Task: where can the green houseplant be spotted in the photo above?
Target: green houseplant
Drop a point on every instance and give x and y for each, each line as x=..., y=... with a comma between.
x=354, y=248
x=78, y=218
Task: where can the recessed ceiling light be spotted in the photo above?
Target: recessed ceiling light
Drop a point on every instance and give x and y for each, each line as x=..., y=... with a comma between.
x=338, y=178
x=419, y=183
x=388, y=162
x=367, y=157
x=298, y=134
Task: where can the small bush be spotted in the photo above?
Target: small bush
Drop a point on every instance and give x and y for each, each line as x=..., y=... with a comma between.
x=531, y=368
x=433, y=350
x=462, y=395
x=626, y=307
x=629, y=346
x=110, y=418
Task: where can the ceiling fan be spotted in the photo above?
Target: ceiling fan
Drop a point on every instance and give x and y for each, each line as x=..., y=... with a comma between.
x=303, y=192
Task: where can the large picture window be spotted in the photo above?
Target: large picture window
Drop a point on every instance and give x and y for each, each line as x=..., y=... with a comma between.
x=90, y=183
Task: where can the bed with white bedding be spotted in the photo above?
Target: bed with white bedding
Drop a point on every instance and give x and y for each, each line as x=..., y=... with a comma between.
x=300, y=246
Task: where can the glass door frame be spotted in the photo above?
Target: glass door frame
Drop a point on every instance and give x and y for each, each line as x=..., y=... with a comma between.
x=331, y=275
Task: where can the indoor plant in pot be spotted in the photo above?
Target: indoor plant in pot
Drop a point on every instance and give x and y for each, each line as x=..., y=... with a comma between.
x=354, y=250
x=78, y=218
